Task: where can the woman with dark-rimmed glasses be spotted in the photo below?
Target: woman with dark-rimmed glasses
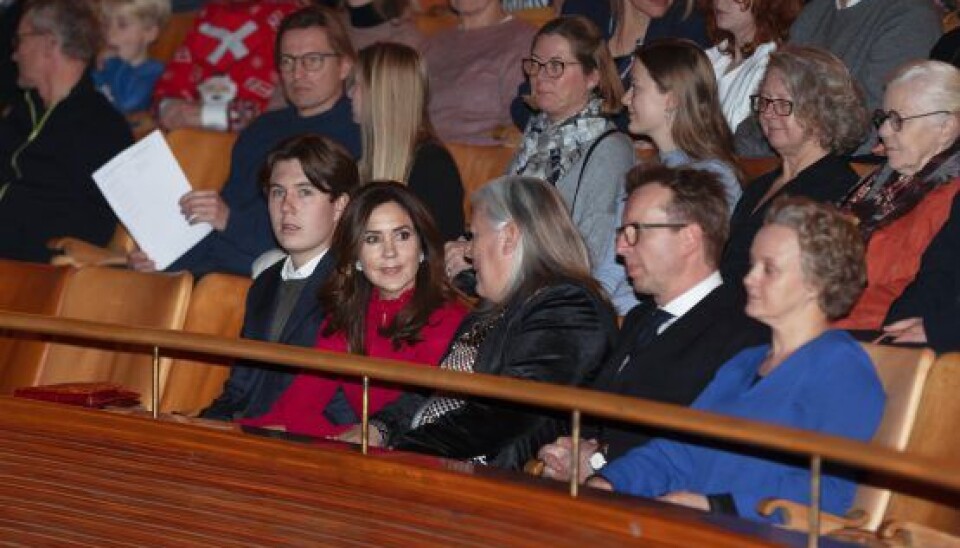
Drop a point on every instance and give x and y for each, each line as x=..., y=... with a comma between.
x=811, y=112
x=909, y=212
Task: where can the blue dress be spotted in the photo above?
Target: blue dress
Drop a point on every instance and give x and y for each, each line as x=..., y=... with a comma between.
x=829, y=385
x=129, y=88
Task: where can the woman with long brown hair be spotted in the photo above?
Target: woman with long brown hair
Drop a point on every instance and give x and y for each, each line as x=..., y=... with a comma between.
x=387, y=298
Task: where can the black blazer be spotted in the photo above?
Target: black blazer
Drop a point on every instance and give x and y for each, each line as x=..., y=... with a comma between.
x=562, y=334
x=676, y=365
x=253, y=387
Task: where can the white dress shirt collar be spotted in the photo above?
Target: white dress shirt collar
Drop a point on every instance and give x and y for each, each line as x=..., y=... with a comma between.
x=290, y=272
x=690, y=298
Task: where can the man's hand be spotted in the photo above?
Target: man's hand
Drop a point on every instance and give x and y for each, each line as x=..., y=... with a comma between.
x=556, y=458
x=909, y=330
x=205, y=206
x=354, y=435
x=139, y=261
x=685, y=498
x=454, y=257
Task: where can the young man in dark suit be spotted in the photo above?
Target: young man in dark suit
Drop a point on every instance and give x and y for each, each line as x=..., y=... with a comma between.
x=307, y=181
x=675, y=224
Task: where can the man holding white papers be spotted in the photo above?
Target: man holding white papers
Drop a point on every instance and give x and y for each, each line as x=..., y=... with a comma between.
x=56, y=135
x=314, y=57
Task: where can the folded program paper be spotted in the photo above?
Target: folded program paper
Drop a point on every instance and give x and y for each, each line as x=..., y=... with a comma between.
x=143, y=185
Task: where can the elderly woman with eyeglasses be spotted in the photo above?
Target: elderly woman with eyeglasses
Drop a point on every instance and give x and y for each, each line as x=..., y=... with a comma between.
x=811, y=112
x=909, y=212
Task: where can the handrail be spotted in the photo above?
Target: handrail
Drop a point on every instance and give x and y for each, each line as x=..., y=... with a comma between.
x=925, y=470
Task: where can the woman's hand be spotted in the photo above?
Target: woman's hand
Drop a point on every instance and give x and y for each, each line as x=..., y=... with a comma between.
x=601, y=483
x=909, y=330
x=354, y=435
x=688, y=499
x=205, y=206
x=556, y=458
x=455, y=257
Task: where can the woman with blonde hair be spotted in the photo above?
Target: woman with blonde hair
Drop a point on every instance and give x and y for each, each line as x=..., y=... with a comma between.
x=389, y=94
x=673, y=100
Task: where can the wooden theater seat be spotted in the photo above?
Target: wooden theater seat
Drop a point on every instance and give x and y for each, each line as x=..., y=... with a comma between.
x=31, y=288
x=935, y=434
x=478, y=164
x=903, y=372
x=172, y=35
x=216, y=308
x=116, y=296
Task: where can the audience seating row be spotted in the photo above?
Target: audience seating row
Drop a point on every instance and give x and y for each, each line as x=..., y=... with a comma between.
x=122, y=297
x=922, y=407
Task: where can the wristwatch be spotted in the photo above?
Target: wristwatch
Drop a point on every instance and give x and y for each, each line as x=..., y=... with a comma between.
x=597, y=461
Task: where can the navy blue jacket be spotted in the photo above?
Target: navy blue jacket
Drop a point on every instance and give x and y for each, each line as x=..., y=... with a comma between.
x=252, y=387
x=248, y=233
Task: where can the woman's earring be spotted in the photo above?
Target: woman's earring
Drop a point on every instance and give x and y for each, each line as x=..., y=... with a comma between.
x=422, y=257
x=358, y=266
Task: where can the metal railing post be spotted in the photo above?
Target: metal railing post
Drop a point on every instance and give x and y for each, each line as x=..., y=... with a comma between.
x=813, y=537
x=575, y=453
x=365, y=417
x=155, y=395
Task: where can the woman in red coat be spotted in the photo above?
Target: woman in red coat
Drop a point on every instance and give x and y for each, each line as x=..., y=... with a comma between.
x=388, y=298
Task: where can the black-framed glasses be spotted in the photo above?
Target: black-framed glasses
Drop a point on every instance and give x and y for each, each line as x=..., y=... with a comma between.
x=553, y=67
x=18, y=38
x=896, y=119
x=310, y=62
x=781, y=107
x=631, y=231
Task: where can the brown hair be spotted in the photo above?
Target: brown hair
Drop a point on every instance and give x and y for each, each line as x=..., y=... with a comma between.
x=327, y=165
x=699, y=128
x=831, y=251
x=317, y=16
x=827, y=101
x=697, y=197
x=591, y=51
x=771, y=17
x=347, y=292
x=74, y=23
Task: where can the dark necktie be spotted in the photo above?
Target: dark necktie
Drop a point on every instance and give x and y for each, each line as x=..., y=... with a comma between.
x=647, y=333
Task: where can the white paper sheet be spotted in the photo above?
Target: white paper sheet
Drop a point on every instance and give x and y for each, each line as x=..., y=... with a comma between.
x=143, y=185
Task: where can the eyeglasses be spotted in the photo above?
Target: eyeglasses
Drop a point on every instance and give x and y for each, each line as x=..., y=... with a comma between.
x=631, y=231
x=18, y=38
x=781, y=107
x=310, y=62
x=554, y=67
x=896, y=120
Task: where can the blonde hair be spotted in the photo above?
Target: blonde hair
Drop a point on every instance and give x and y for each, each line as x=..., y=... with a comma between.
x=148, y=12
x=393, y=114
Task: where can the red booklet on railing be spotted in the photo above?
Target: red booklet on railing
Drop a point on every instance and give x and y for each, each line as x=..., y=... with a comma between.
x=83, y=394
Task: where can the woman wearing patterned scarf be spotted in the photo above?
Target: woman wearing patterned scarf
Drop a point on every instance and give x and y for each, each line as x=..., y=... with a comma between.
x=542, y=317
x=909, y=212
x=573, y=145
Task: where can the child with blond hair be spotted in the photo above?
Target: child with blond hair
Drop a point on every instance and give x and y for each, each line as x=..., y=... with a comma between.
x=128, y=75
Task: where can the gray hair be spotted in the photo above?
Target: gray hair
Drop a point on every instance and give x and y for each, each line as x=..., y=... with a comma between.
x=550, y=247
x=73, y=22
x=828, y=102
x=935, y=85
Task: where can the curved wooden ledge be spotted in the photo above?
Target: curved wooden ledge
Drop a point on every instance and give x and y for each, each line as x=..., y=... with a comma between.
x=939, y=473
x=71, y=475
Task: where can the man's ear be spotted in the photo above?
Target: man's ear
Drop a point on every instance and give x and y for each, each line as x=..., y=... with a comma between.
x=152, y=31
x=346, y=66
x=509, y=238
x=339, y=204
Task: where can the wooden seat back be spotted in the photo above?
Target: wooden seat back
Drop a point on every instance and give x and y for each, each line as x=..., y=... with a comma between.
x=934, y=434
x=204, y=155
x=478, y=164
x=903, y=372
x=217, y=306
x=34, y=289
x=172, y=35
x=123, y=297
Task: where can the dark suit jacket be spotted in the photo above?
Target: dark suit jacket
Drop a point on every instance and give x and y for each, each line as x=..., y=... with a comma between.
x=253, y=387
x=676, y=365
x=562, y=335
